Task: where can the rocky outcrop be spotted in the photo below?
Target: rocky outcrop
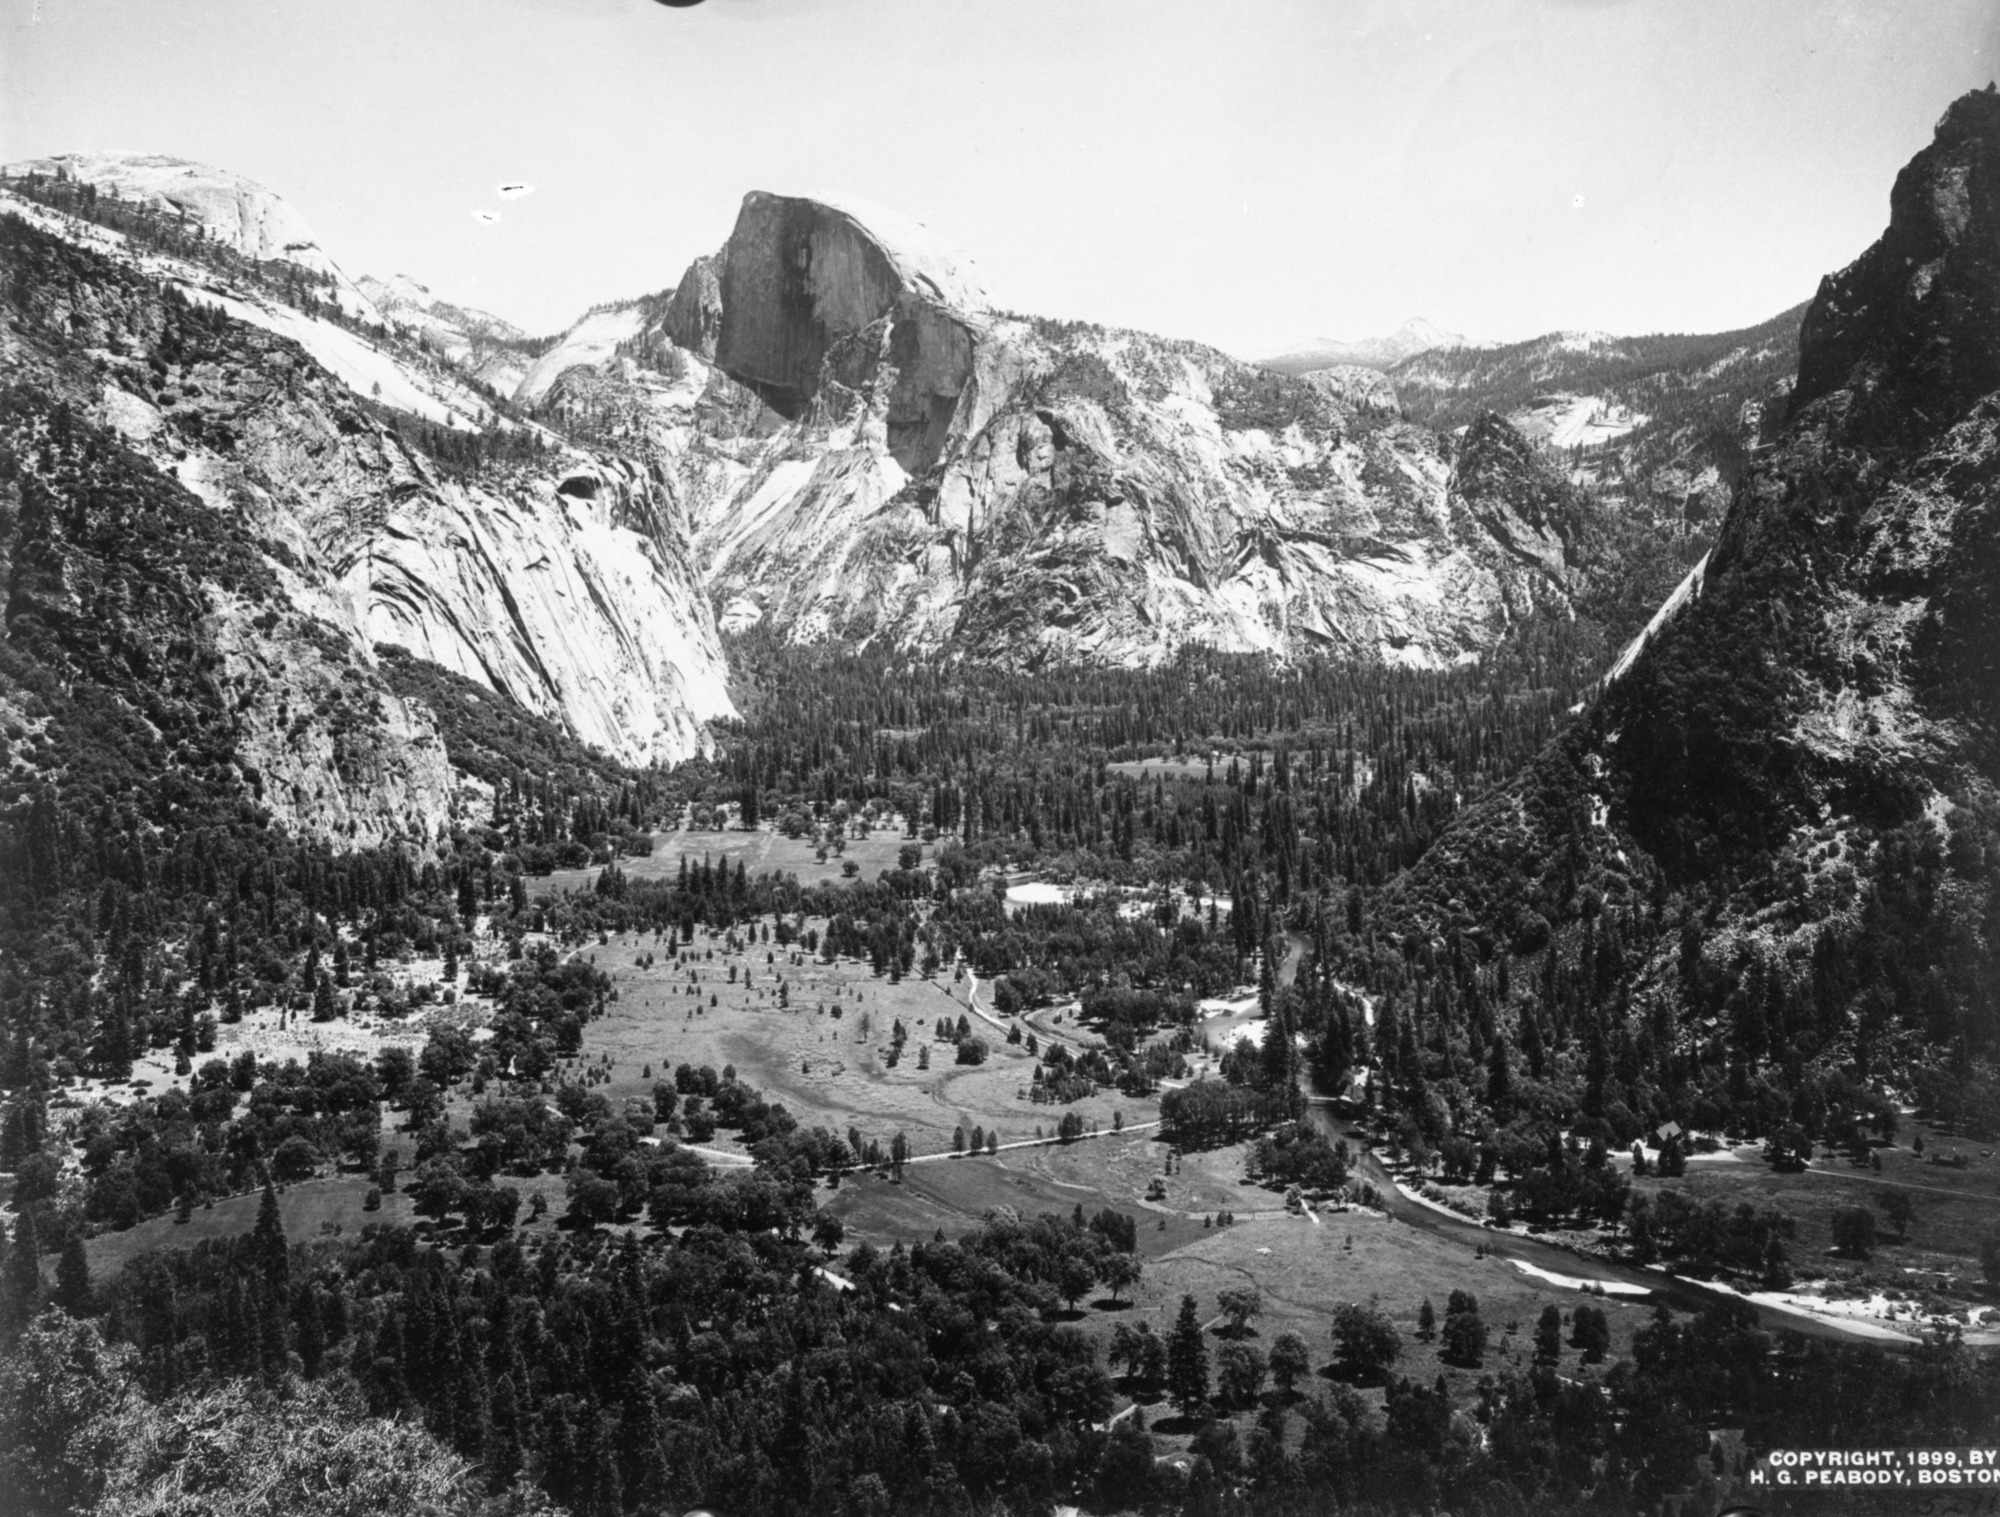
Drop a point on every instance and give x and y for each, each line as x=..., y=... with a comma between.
x=1360, y=389
x=491, y=350
x=1522, y=519
x=694, y=316
x=1900, y=327
x=1411, y=338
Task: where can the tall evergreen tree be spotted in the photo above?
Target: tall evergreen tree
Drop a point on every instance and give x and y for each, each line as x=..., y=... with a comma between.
x=24, y=1267
x=73, y=1277
x=267, y=1245
x=1187, y=1360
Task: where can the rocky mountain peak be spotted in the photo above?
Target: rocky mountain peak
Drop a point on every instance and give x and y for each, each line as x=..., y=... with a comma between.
x=1413, y=337
x=236, y=212
x=1917, y=316
x=694, y=315
x=818, y=288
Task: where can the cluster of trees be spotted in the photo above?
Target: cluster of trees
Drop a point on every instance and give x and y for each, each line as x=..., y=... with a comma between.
x=1063, y=1258
x=1213, y=1113
x=1711, y=1236
x=1298, y=1153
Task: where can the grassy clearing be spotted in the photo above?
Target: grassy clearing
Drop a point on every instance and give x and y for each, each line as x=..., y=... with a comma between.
x=761, y=852
x=311, y=1210
x=1112, y=1170
x=828, y=1070
x=1305, y=1272
x=1955, y=1208
x=1173, y=768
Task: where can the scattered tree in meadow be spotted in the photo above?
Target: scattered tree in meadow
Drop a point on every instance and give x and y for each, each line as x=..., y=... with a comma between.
x=1239, y=1304
x=1291, y=1361
x=1548, y=1335
x=1854, y=1231
x=1464, y=1339
x=1365, y=1340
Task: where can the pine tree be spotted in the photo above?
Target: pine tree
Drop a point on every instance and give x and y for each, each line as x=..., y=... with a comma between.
x=24, y=1268
x=504, y=1455
x=73, y=1278
x=1187, y=1361
x=267, y=1244
x=1548, y=1335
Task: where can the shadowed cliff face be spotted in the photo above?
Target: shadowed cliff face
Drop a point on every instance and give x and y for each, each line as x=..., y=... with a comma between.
x=1806, y=741
x=1845, y=626
x=803, y=280
x=1909, y=327
x=694, y=317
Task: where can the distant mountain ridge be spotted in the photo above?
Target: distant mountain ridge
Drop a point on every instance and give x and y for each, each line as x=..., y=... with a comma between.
x=859, y=447
x=236, y=212
x=1667, y=419
x=1413, y=337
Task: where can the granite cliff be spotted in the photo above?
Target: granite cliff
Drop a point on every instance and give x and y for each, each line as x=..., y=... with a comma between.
x=391, y=501
x=871, y=451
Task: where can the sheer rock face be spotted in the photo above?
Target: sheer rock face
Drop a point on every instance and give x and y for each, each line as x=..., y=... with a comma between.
x=808, y=288
x=1862, y=549
x=694, y=318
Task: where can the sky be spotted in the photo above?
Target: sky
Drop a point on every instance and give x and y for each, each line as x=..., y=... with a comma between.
x=1251, y=173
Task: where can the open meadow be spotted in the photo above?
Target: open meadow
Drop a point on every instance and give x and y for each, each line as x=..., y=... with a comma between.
x=1303, y=1272
x=760, y=851
x=818, y=1038
x=1952, y=1209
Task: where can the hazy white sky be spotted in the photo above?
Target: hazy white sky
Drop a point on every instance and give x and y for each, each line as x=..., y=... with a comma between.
x=1249, y=172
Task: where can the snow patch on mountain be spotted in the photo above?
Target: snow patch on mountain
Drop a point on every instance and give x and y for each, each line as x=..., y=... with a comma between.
x=593, y=340
x=1576, y=421
x=1412, y=337
x=355, y=362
